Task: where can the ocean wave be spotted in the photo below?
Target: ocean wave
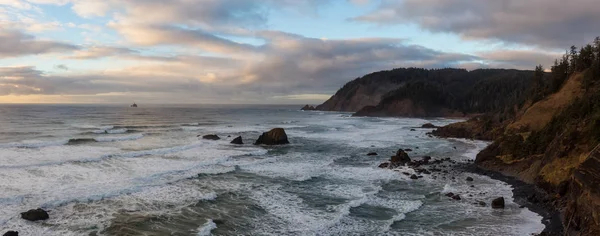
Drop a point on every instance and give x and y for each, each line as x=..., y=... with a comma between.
x=33, y=144
x=119, y=138
x=206, y=229
x=111, y=131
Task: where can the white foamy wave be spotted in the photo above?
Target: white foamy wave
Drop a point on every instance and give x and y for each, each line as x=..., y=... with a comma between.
x=119, y=138
x=207, y=228
x=297, y=171
x=475, y=146
x=110, y=131
x=90, y=126
x=18, y=157
x=33, y=144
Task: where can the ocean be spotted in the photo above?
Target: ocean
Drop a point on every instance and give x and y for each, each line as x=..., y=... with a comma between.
x=114, y=170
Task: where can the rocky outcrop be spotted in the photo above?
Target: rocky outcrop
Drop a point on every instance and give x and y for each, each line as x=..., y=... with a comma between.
x=308, y=108
x=428, y=126
x=400, y=159
x=211, y=137
x=275, y=136
x=237, y=141
x=498, y=203
x=11, y=233
x=35, y=215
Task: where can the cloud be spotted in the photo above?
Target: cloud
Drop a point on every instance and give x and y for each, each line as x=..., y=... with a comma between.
x=288, y=64
x=96, y=52
x=61, y=67
x=148, y=35
x=519, y=59
x=546, y=23
x=16, y=44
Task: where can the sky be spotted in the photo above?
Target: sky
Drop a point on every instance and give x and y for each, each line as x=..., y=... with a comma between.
x=264, y=51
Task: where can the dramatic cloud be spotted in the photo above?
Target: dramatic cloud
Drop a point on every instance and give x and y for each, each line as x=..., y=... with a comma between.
x=519, y=59
x=547, y=23
x=100, y=52
x=226, y=51
x=16, y=44
x=144, y=35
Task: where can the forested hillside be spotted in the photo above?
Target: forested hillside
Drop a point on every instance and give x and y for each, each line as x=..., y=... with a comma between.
x=418, y=92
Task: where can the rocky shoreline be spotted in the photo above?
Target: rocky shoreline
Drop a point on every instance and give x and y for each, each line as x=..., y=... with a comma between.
x=528, y=196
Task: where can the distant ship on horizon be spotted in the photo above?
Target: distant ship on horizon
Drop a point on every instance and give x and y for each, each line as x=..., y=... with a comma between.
x=133, y=105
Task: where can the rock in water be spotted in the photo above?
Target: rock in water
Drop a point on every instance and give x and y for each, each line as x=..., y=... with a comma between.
x=275, y=136
x=429, y=126
x=498, y=203
x=372, y=154
x=211, y=137
x=11, y=233
x=35, y=215
x=414, y=177
x=237, y=140
x=400, y=159
x=469, y=179
x=308, y=108
x=456, y=197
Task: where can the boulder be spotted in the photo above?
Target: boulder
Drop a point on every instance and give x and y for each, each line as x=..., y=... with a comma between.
x=35, y=215
x=450, y=194
x=408, y=150
x=275, y=136
x=482, y=203
x=237, y=140
x=211, y=137
x=11, y=233
x=428, y=126
x=384, y=165
x=469, y=179
x=413, y=130
x=414, y=177
x=308, y=108
x=372, y=154
x=400, y=159
x=456, y=197
x=498, y=203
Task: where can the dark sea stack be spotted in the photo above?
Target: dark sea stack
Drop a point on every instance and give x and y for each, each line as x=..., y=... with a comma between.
x=498, y=203
x=372, y=154
x=237, y=140
x=211, y=137
x=35, y=215
x=428, y=126
x=400, y=159
x=275, y=136
x=414, y=177
x=11, y=233
x=308, y=108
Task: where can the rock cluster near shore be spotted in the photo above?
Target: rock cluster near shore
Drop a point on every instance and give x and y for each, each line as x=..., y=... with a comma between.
x=441, y=168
